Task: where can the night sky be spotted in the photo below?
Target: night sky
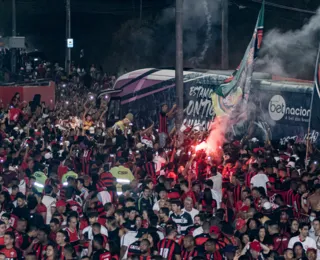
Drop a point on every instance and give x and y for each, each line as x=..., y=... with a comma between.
x=101, y=28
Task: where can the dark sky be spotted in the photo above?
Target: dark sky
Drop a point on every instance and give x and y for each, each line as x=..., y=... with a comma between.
x=95, y=23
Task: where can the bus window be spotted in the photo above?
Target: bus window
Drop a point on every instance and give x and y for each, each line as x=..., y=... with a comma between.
x=114, y=110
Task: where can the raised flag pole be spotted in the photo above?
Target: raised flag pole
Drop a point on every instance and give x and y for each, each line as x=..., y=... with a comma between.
x=311, y=105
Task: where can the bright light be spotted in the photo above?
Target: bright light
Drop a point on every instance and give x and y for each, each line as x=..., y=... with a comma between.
x=119, y=192
x=202, y=146
x=38, y=185
x=123, y=181
x=91, y=97
x=65, y=184
x=36, y=59
x=106, y=97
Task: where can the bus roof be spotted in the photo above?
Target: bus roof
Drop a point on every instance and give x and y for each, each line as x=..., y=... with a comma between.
x=144, y=78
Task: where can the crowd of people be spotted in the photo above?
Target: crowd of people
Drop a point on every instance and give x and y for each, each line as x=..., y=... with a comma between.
x=73, y=188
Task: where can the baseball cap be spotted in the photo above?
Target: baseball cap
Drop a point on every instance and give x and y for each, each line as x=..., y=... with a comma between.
x=312, y=249
x=255, y=246
x=240, y=223
x=215, y=230
x=61, y=203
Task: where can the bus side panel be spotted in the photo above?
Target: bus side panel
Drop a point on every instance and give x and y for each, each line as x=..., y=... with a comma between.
x=197, y=105
x=285, y=112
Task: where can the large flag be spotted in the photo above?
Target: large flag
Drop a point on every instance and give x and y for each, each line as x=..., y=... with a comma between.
x=234, y=92
x=315, y=106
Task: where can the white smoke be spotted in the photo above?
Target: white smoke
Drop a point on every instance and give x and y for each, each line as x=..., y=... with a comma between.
x=208, y=40
x=198, y=16
x=291, y=53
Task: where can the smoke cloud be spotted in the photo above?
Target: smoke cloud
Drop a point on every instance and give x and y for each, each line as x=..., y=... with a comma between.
x=291, y=53
x=198, y=20
x=152, y=44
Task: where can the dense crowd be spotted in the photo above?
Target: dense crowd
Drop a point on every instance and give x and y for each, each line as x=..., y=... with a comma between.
x=73, y=188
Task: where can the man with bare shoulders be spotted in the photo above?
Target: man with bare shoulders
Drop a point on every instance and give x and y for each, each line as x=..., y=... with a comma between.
x=313, y=201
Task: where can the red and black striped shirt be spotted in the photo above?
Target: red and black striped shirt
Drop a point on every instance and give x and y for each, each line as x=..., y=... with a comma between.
x=163, y=127
x=168, y=248
x=85, y=161
x=107, y=179
x=150, y=169
x=188, y=255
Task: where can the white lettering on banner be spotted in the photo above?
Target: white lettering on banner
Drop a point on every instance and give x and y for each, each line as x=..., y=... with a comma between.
x=313, y=136
x=205, y=124
x=199, y=110
x=200, y=92
x=278, y=109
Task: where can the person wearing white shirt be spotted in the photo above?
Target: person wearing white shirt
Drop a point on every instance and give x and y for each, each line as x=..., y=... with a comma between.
x=303, y=238
x=159, y=160
x=217, y=179
x=126, y=241
x=93, y=218
x=260, y=180
x=188, y=207
x=314, y=231
x=49, y=202
x=215, y=195
x=163, y=197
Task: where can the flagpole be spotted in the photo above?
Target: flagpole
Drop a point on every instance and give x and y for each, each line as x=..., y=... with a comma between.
x=312, y=97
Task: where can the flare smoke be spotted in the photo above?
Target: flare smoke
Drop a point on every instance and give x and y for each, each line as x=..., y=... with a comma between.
x=291, y=53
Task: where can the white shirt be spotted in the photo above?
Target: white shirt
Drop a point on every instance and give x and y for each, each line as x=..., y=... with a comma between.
x=49, y=202
x=104, y=197
x=260, y=180
x=308, y=243
x=197, y=231
x=217, y=182
x=127, y=240
x=217, y=197
x=156, y=206
x=193, y=213
x=88, y=230
x=159, y=161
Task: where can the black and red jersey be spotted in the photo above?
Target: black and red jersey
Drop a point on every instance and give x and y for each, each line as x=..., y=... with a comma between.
x=150, y=169
x=74, y=238
x=201, y=239
x=168, y=248
x=188, y=255
x=163, y=125
x=60, y=252
x=106, y=179
x=134, y=249
x=75, y=206
x=213, y=256
x=101, y=254
x=22, y=240
x=40, y=250
x=85, y=161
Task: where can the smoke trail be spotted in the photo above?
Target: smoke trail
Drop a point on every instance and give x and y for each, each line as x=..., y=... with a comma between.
x=291, y=53
x=208, y=39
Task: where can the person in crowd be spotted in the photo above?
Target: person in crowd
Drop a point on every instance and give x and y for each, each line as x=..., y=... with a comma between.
x=303, y=237
x=8, y=249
